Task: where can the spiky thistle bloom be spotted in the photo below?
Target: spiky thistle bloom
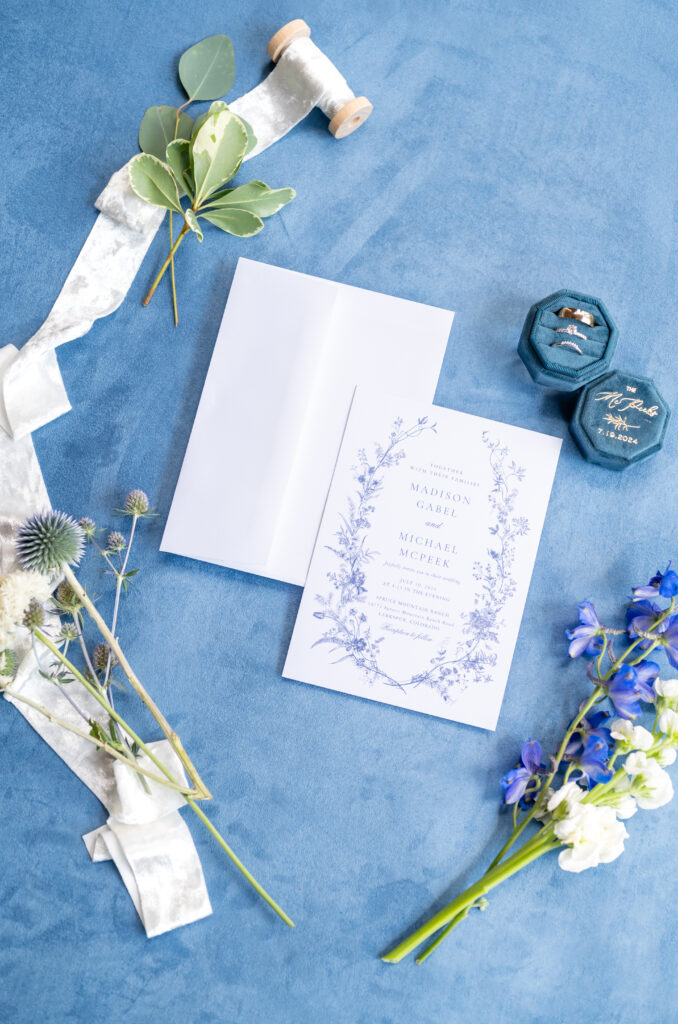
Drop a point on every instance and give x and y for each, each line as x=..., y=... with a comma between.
x=116, y=542
x=66, y=597
x=49, y=541
x=7, y=667
x=100, y=657
x=16, y=590
x=68, y=632
x=34, y=616
x=88, y=527
x=136, y=503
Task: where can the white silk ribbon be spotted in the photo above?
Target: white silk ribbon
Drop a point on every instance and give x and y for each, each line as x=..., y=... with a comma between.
x=32, y=391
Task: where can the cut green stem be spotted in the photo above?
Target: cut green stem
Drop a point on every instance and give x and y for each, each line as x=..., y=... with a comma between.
x=238, y=863
x=536, y=847
x=180, y=237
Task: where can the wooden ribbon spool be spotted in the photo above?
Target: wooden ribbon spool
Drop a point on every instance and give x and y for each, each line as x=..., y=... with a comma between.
x=345, y=110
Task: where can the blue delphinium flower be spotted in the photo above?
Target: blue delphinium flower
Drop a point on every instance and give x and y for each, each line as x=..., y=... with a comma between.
x=587, y=637
x=641, y=616
x=595, y=725
x=593, y=761
x=515, y=782
x=669, y=640
x=663, y=583
x=630, y=685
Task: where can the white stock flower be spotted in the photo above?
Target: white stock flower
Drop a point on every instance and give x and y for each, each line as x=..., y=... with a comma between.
x=593, y=836
x=666, y=693
x=668, y=723
x=625, y=806
x=17, y=589
x=668, y=689
x=568, y=795
x=630, y=736
x=650, y=784
x=665, y=756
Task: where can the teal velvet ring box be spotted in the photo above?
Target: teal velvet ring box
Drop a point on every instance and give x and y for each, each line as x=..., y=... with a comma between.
x=563, y=353
x=620, y=419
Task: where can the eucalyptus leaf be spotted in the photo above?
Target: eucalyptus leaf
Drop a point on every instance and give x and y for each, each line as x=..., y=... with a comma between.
x=179, y=159
x=207, y=70
x=216, y=153
x=214, y=109
x=235, y=221
x=157, y=127
x=193, y=224
x=153, y=182
x=256, y=197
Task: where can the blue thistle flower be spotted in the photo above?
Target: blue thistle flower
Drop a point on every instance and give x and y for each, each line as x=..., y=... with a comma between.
x=116, y=542
x=49, y=541
x=136, y=503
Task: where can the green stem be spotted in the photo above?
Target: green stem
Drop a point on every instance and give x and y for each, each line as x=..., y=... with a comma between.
x=175, y=742
x=238, y=863
x=172, y=274
x=101, y=744
x=444, y=933
x=99, y=697
x=161, y=272
x=534, y=848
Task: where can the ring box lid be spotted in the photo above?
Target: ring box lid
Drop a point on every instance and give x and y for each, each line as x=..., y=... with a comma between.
x=561, y=366
x=620, y=420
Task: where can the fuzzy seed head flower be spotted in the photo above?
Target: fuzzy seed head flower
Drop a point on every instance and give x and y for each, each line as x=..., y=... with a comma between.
x=116, y=542
x=88, y=526
x=16, y=590
x=67, y=597
x=100, y=657
x=136, y=503
x=49, y=541
x=34, y=616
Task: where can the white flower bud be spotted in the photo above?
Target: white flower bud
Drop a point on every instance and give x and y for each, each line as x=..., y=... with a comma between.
x=666, y=688
x=668, y=723
x=630, y=736
x=665, y=756
x=650, y=785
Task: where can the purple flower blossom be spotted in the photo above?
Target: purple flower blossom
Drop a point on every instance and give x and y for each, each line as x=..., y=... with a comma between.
x=663, y=583
x=515, y=782
x=595, y=725
x=669, y=640
x=587, y=637
x=593, y=761
x=630, y=685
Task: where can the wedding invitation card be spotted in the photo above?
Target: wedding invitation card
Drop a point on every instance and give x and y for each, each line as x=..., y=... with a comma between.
x=291, y=349
x=423, y=559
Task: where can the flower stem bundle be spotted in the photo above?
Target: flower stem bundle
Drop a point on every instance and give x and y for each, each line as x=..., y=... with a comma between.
x=48, y=545
x=607, y=766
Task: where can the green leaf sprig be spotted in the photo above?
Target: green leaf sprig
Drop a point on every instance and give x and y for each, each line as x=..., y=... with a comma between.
x=197, y=159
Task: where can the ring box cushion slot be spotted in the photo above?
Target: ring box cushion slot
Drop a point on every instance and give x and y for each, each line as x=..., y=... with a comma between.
x=620, y=420
x=561, y=366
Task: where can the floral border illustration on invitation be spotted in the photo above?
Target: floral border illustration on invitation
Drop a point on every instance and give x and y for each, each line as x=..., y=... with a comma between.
x=348, y=630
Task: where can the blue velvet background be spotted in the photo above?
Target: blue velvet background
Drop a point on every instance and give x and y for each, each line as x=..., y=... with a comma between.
x=515, y=148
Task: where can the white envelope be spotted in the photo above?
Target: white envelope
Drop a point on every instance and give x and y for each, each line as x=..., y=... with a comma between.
x=290, y=351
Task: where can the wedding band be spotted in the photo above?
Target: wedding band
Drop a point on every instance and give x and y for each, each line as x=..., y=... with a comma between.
x=577, y=314
x=571, y=329
x=567, y=344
